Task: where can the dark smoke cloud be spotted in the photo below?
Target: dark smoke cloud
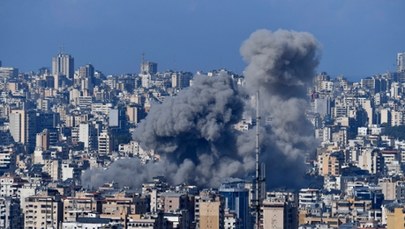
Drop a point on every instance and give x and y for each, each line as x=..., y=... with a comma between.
x=280, y=63
x=130, y=172
x=198, y=120
x=281, y=66
x=193, y=132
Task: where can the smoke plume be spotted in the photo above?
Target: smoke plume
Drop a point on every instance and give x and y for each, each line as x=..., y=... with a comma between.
x=130, y=172
x=281, y=66
x=194, y=132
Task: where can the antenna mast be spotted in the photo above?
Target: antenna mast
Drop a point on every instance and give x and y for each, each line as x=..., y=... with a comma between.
x=258, y=184
x=143, y=57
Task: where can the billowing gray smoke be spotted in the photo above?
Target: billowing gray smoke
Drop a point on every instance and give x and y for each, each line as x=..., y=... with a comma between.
x=193, y=132
x=130, y=172
x=197, y=125
x=281, y=66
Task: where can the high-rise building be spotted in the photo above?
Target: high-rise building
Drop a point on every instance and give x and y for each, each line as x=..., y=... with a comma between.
x=237, y=200
x=148, y=67
x=181, y=80
x=117, y=118
x=86, y=71
x=42, y=142
x=104, y=143
x=88, y=135
x=401, y=62
x=23, y=127
x=368, y=106
x=62, y=65
x=86, y=75
x=135, y=113
x=372, y=161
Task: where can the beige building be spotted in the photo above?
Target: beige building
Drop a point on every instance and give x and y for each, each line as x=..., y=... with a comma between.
x=388, y=187
x=371, y=160
x=43, y=211
x=137, y=221
x=212, y=214
x=329, y=221
x=368, y=107
x=42, y=140
x=119, y=206
x=397, y=118
x=23, y=127
x=53, y=168
x=80, y=206
x=212, y=205
x=330, y=163
x=13, y=87
x=279, y=211
x=395, y=218
x=134, y=114
x=173, y=202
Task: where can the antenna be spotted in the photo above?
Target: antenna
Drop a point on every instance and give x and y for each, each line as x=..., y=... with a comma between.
x=143, y=57
x=259, y=179
x=143, y=63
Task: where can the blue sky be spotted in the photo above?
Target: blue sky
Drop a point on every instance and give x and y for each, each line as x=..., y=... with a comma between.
x=359, y=37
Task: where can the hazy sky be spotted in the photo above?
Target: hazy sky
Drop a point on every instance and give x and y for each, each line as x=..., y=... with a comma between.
x=359, y=37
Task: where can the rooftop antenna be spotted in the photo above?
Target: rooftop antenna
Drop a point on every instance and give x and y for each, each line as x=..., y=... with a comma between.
x=142, y=63
x=259, y=179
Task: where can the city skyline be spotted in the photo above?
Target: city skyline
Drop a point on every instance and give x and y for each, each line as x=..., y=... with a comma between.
x=267, y=135
x=358, y=39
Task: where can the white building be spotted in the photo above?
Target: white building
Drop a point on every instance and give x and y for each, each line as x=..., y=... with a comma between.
x=7, y=159
x=309, y=198
x=87, y=135
x=104, y=143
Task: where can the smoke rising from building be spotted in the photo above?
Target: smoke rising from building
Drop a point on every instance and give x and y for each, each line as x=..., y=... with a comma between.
x=194, y=134
x=281, y=66
x=130, y=172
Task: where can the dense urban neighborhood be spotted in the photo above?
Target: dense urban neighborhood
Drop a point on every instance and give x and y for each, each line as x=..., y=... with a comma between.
x=75, y=154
